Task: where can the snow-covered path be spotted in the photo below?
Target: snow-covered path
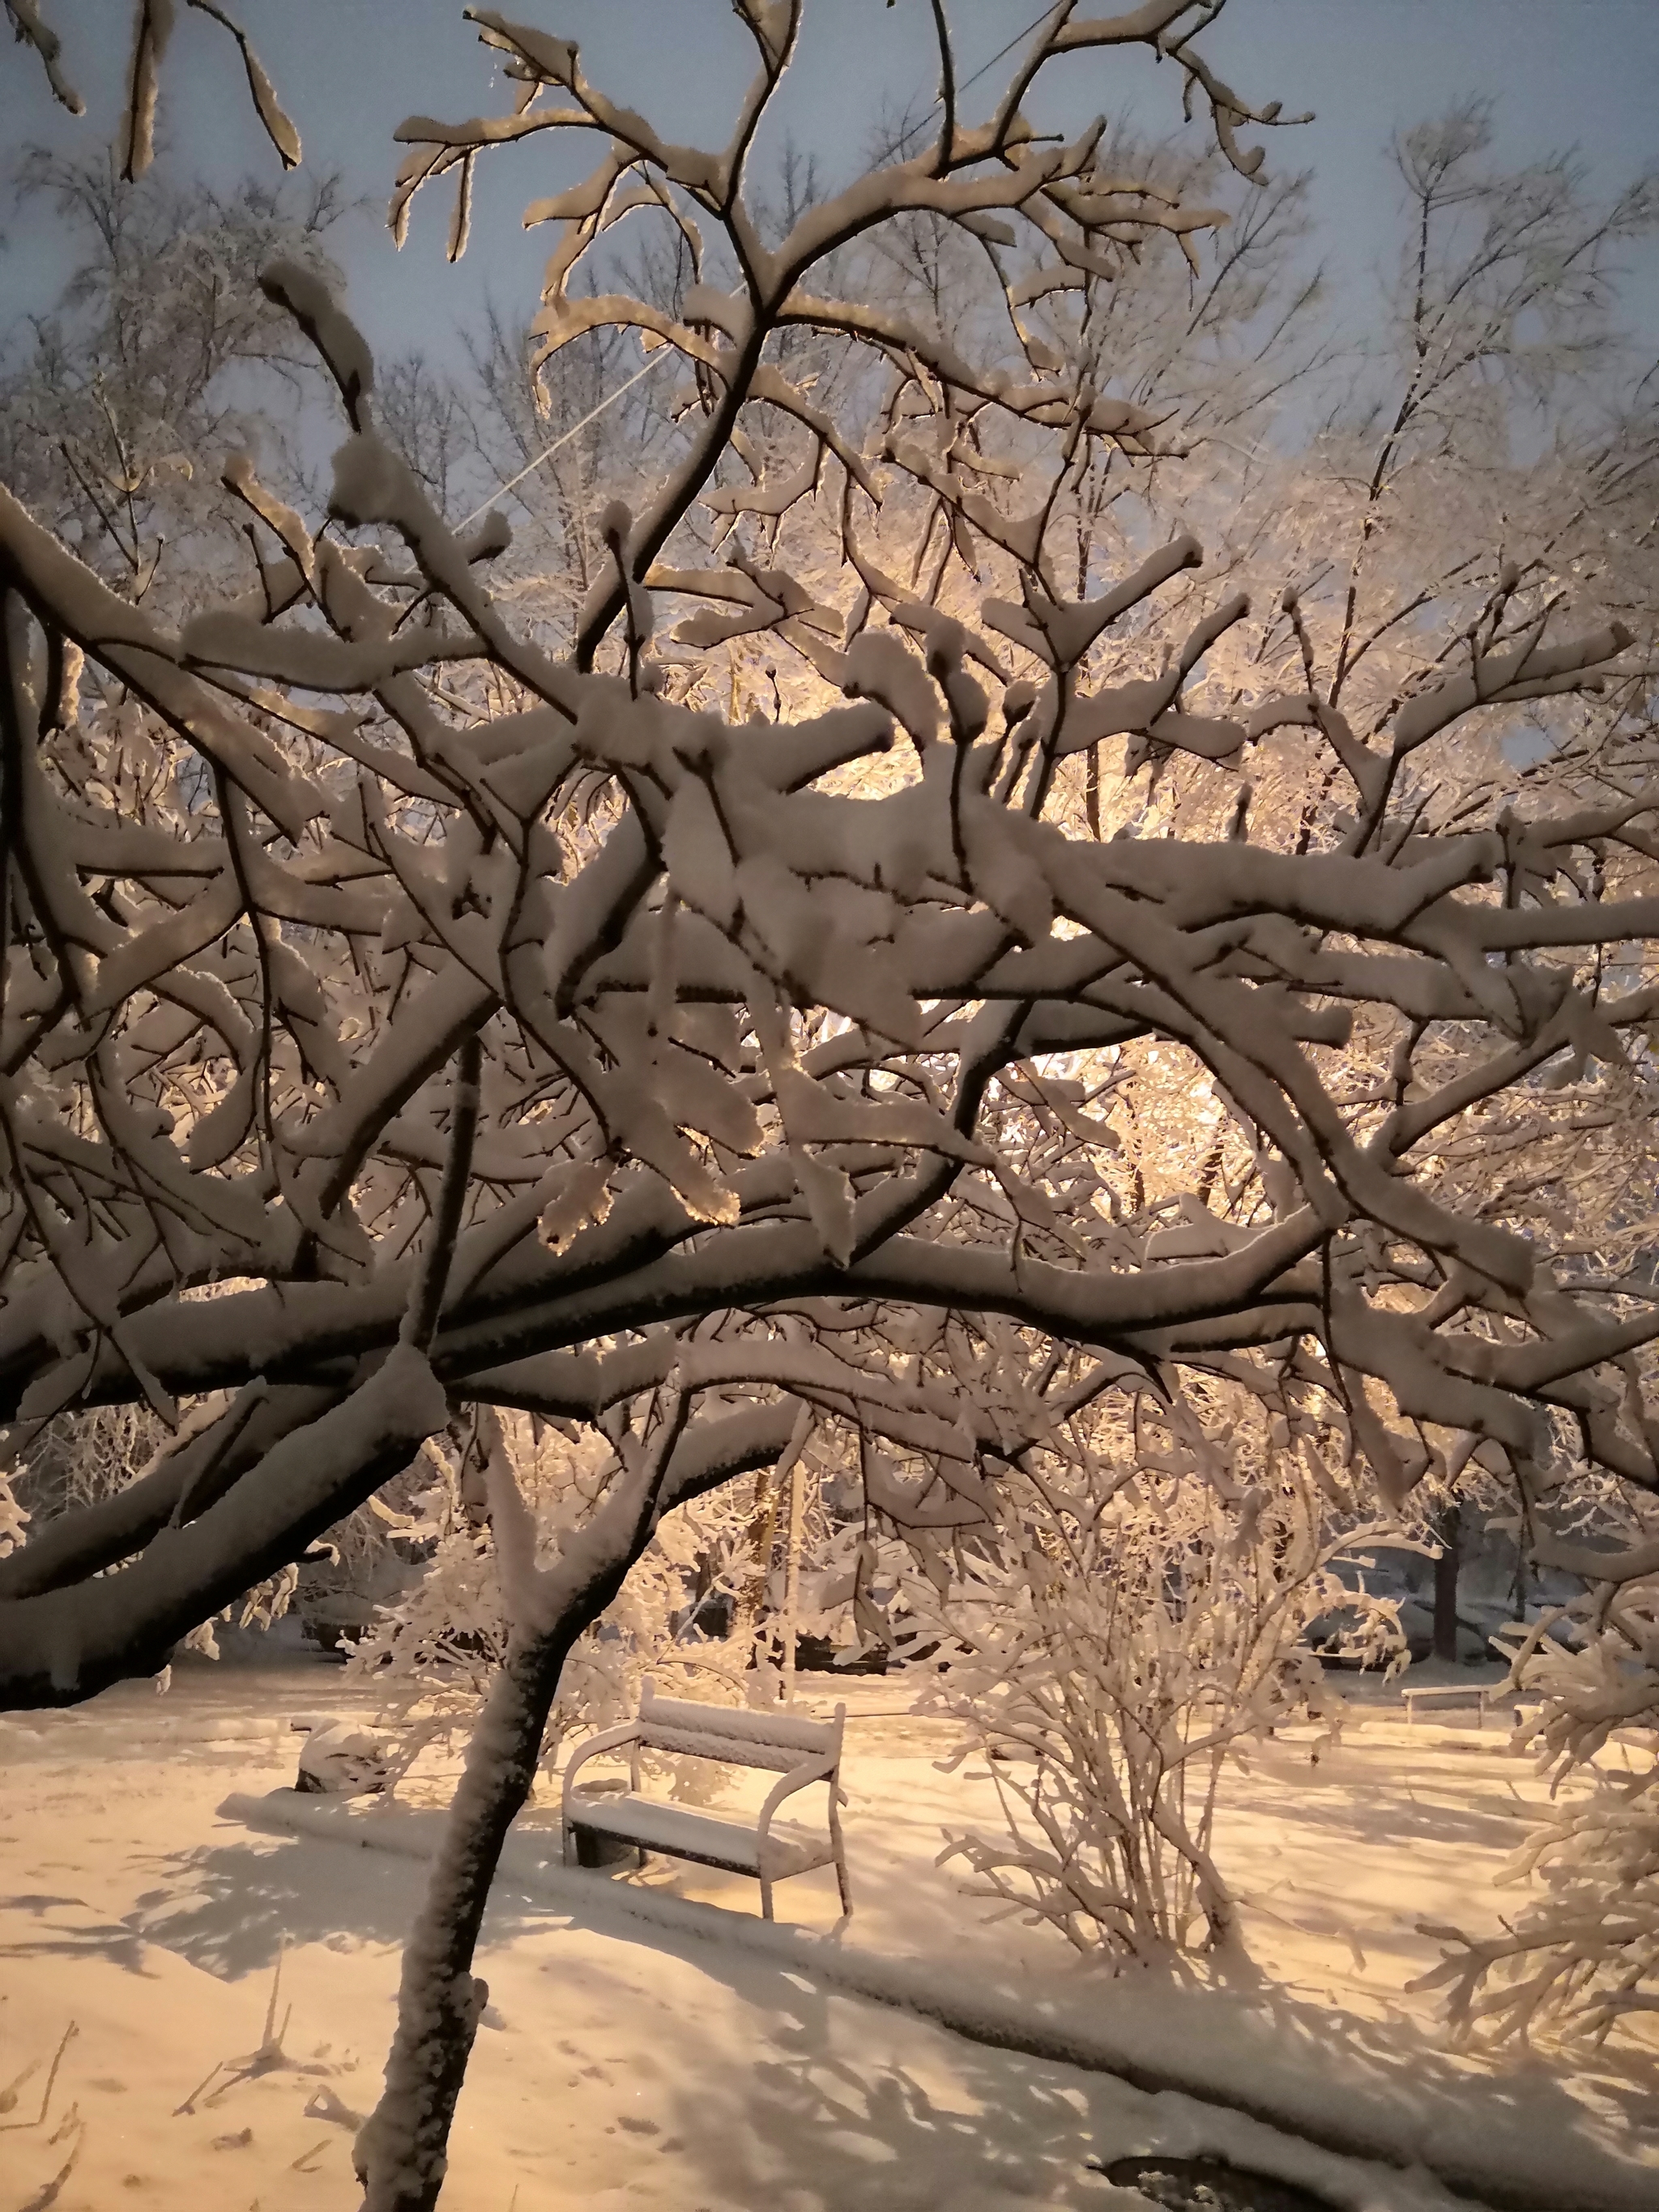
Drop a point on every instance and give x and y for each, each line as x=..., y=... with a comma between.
x=624, y=2065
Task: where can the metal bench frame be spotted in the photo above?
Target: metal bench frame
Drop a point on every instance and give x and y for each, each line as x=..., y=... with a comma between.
x=738, y=1737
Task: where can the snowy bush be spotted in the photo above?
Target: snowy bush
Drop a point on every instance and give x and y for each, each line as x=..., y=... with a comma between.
x=1581, y=1955
x=1124, y=1632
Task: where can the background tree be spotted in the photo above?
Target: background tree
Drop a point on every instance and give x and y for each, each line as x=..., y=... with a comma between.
x=161, y=353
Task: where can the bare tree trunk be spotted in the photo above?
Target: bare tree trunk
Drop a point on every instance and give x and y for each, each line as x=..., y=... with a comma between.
x=401, y=2152
x=761, y=1532
x=1450, y=1534
x=767, y=1651
x=792, y=1580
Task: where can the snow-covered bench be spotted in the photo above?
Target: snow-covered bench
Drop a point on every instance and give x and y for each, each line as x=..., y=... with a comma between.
x=799, y=1752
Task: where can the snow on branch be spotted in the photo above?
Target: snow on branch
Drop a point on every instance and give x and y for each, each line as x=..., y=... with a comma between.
x=153, y=26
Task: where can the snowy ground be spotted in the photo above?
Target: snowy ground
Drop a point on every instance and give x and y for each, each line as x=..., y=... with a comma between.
x=629, y=2063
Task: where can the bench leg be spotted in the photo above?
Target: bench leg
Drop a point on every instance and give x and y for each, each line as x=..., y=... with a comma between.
x=766, y=1898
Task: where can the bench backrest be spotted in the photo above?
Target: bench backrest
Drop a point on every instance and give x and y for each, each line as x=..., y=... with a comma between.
x=777, y=1740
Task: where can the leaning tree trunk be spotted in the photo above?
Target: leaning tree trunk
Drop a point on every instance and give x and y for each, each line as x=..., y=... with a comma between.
x=402, y=2152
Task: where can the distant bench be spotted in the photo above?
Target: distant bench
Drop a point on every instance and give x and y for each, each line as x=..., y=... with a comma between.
x=799, y=1752
x=1482, y=1695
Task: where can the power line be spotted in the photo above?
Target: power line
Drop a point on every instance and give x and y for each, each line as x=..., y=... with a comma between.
x=591, y=415
x=983, y=69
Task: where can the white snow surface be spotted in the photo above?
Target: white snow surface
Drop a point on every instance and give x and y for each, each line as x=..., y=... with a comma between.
x=651, y=2043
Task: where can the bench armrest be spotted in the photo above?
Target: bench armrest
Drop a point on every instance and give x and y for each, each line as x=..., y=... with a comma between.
x=812, y=1770
x=607, y=1739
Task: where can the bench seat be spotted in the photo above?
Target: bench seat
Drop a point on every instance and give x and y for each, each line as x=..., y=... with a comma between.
x=681, y=1833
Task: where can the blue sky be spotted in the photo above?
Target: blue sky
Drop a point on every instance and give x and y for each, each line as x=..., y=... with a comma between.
x=1562, y=73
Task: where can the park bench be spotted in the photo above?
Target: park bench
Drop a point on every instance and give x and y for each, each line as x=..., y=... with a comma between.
x=799, y=1752
x=1482, y=1694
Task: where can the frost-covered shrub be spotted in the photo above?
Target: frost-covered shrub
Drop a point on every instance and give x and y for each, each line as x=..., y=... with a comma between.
x=77, y=1458
x=1582, y=1955
x=1112, y=1645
